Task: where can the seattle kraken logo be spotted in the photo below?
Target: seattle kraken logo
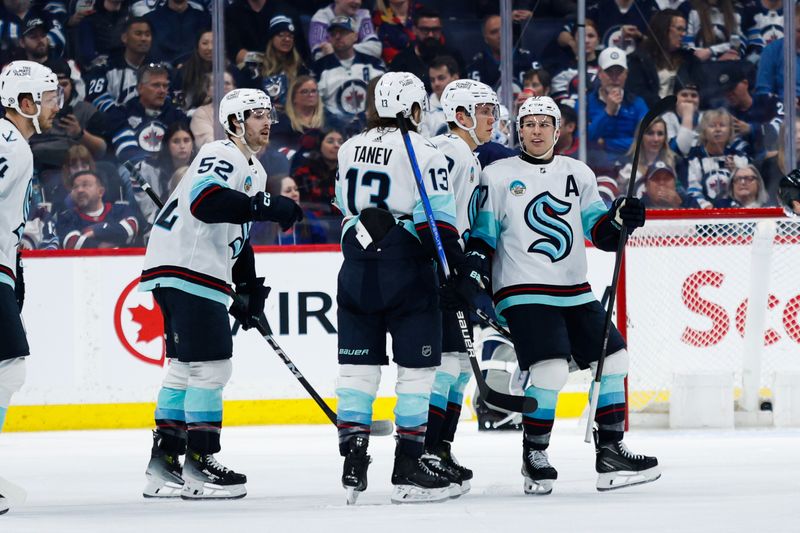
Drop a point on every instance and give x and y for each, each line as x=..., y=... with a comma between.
x=543, y=215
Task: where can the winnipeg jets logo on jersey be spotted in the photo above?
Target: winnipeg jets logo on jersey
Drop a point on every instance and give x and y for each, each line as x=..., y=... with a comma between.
x=352, y=97
x=543, y=215
x=150, y=137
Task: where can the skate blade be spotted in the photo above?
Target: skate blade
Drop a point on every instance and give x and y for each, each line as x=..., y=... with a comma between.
x=352, y=495
x=541, y=487
x=12, y=494
x=627, y=478
x=161, y=489
x=414, y=494
x=465, y=486
x=454, y=491
x=209, y=491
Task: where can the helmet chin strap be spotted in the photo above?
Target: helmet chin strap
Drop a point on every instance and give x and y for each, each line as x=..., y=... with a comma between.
x=241, y=137
x=471, y=130
x=34, y=117
x=546, y=155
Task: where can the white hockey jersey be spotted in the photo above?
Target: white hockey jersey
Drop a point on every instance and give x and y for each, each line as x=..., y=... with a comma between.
x=190, y=255
x=16, y=173
x=374, y=171
x=464, y=170
x=536, y=218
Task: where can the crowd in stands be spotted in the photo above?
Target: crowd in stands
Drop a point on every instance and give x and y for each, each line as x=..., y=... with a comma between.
x=137, y=80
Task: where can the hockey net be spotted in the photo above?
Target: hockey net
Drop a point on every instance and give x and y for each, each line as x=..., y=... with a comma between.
x=689, y=277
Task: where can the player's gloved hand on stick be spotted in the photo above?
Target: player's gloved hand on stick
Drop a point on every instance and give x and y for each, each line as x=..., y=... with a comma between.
x=275, y=208
x=467, y=283
x=19, y=284
x=628, y=211
x=249, y=307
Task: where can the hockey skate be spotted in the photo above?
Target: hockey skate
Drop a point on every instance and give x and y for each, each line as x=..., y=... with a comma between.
x=354, y=475
x=414, y=482
x=538, y=472
x=435, y=464
x=205, y=479
x=617, y=467
x=442, y=451
x=11, y=495
x=163, y=473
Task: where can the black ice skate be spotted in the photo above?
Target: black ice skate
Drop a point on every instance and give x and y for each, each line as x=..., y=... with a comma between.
x=442, y=451
x=415, y=482
x=205, y=479
x=435, y=464
x=538, y=472
x=163, y=473
x=11, y=495
x=617, y=467
x=356, y=462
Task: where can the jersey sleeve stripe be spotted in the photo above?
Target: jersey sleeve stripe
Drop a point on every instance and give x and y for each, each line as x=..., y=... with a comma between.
x=192, y=276
x=203, y=195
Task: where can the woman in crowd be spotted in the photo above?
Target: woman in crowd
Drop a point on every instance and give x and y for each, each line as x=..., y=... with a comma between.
x=309, y=231
x=747, y=189
x=394, y=24
x=655, y=147
x=298, y=126
x=682, y=123
x=203, y=119
x=565, y=82
x=714, y=30
x=315, y=174
x=713, y=160
x=191, y=77
x=282, y=63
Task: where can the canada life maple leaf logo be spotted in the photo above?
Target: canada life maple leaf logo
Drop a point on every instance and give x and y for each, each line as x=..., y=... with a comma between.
x=139, y=325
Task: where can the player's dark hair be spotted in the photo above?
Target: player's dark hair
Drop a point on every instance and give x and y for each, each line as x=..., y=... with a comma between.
x=232, y=124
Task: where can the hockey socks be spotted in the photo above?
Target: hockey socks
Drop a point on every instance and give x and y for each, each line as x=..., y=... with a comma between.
x=353, y=416
x=171, y=419
x=610, y=416
x=411, y=418
x=538, y=424
x=454, y=402
x=439, y=407
x=203, y=419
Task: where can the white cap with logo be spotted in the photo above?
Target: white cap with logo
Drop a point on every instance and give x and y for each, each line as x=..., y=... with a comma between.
x=612, y=56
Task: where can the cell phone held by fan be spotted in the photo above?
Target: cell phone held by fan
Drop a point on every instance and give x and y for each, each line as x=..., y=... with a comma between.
x=84, y=7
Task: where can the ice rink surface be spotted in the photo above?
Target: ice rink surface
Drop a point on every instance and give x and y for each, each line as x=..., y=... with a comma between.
x=745, y=480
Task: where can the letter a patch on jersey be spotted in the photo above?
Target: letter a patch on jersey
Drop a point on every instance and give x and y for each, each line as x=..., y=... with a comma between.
x=572, y=187
x=543, y=215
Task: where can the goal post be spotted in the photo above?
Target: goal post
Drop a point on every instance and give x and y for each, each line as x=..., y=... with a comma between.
x=712, y=291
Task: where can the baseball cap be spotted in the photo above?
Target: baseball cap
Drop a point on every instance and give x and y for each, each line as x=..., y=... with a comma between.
x=279, y=23
x=34, y=23
x=730, y=77
x=59, y=67
x=342, y=21
x=658, y=167
x=612, y=56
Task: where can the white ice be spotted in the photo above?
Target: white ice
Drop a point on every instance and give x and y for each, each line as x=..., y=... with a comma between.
x=732, y=481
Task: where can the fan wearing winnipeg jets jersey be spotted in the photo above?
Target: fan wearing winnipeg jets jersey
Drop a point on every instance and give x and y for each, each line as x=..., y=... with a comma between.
x=198, y=248
x=388, y=284
x=470, y=109
x=535, y=211
x=29, y=95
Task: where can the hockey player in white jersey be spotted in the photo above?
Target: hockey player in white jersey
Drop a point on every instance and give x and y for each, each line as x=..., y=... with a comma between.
x=198, y=249
x=470, y=109
x=29, y=92
x=388, y=284
x=535, y=211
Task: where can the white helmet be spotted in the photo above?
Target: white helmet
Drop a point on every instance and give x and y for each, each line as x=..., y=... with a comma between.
x=237, y=102
x=27, y=77
x=467, y=94
x=397, y=92
x=539, y=105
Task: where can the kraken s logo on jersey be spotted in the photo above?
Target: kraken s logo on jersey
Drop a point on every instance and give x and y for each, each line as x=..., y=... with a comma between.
x=543, y=215
x=351, y=98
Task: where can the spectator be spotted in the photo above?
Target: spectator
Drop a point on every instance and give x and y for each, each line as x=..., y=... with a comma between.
x=522, y=10
x=99, y=31
x=428, y=43
x=485, y=66
x=762, y=23
x=620, y=23
x=756, y=120
x=319, y=33
x=203, y=119
x=564, y=85
x=343, y=77
x=394, y=24
x=77, y=123
x=34, y=44
x=712, y=162
x=92, y=222
x=190, y=77
x=282, y=63
x=567, y=143
x=112, y=80
x=308, y=231
x=274, y=162
x=15, y=15
x=137, y=128
x=246, y=22
x=298, y=127
x=769, y=79
x=747, y=190
x=316, y=175
x=661, y=58
x=714, y=30
x=613, y=113
x=175, y=26
x=655, y=148
x=774, y=167
x=442, y=70
x=177, y=150
x=535, y=82
x=683, y=121
x=660, y=189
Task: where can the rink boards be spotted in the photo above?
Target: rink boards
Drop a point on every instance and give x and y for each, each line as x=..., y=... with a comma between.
x=97, y=354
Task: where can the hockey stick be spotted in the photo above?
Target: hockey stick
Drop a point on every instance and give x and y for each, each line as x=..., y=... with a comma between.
x=378, y=428
x=660, y=107
x=509, y=402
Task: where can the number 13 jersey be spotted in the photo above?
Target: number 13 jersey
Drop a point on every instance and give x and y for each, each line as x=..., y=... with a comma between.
x=188, y=254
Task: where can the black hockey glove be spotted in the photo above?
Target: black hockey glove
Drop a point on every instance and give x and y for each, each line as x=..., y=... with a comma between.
x=275, y=208
x=469, y=281
x=19, y=284
x=628, y=211
x=249, y=306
